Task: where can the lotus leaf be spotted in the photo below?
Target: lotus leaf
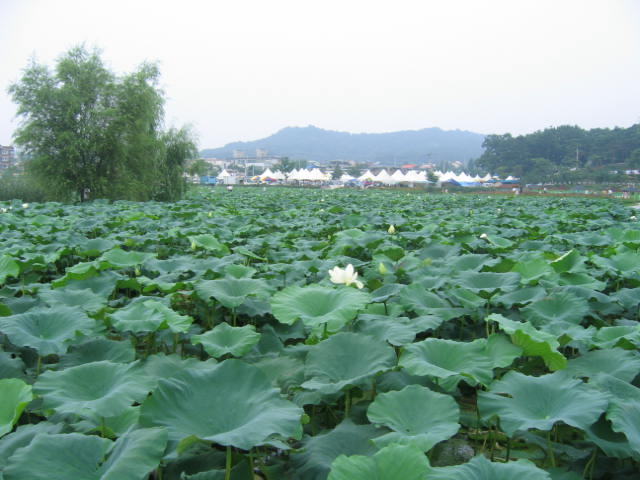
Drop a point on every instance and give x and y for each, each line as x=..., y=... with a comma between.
x=118, y=258
x=148, y=315
x=533, y=342
x=96, y=349
x=346, y=359
x=14, y=397
x=8, y=268
x=231, y=291
x=556, y=308
x=488, y=281
x=480, y=468
x=242, y=408
x=571, y=261
x=531, y=270
x=319, y=451
x=103, y=388
x=22, y=436
x=540, y=402
x=394, y=462
x=84, y=299
x=316, y=305
x=448, y=361
x=521, y=296
x=417, y=416
x=624, y=407
x=47, y=330
x=225, y=339
x=622, y=364
x=72, y=455
x=209, y=243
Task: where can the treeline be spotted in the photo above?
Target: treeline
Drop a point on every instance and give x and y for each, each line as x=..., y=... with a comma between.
x=565, y=153
x=88, y=133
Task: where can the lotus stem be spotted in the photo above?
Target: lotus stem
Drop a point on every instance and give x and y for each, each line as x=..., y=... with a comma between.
x=227, y=467
x=590, y=464
x=175, y=342
x=38, y=364
x=234, y=316
x=347, y=403
x=506, y=460
x=552, y=458
x=251, y=466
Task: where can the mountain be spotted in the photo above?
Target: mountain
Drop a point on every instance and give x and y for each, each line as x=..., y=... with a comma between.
x=409, y=146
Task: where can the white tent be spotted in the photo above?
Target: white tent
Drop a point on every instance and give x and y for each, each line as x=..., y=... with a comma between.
x=398, y=176
x=278, y=175
x=266, y=174
x=345, y=177
x=384, y=178
x=415, y=177
x=224, y=174
x=366, y=176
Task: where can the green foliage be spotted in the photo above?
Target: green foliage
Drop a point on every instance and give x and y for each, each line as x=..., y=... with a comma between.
x=91, y=134
x=118, y=321
x=554, y=154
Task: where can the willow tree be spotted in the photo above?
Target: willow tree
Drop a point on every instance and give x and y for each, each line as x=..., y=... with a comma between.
x=92, y=134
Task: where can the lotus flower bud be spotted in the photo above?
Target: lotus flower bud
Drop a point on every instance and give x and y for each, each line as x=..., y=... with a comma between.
x=391, y=229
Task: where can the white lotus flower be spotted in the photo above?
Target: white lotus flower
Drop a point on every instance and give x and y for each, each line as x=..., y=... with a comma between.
x=633, y=217
x=3, y=210
x=347, y=276
x=483, y=236
x=392, y=229
x=25, y=205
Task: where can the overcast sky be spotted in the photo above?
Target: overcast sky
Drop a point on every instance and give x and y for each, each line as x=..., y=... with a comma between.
x=243, y=69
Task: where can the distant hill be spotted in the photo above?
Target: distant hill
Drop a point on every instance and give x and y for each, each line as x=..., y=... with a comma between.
x=316, y=144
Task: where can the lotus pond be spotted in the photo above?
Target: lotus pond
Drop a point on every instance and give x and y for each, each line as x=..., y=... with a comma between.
x=492, y=338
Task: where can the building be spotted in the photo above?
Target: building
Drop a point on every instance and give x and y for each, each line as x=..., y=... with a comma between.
x=7, y=157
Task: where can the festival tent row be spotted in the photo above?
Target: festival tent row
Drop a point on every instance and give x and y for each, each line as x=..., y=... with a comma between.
x=383, y=177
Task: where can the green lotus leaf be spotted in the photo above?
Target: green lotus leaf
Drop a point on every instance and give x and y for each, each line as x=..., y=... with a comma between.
x=148, y=315
x=500, y=350
x=624, y=407
x=47, y=330
x=95, y=246
x=77, y=456
x=622, y=364
x=385, y=292
x=466, y=298
x=532, y=270
x=118, y=258
x=102, y=388
x=471, y=261
x=627, y=297
x=14, y=397
x=84, y=299
x=8, y=268
x=625, y=336
x=97, y=349
x=231, y=291
x=134, y=454
x=499, y=242
x=316, y=305
x=540, y=402
x=319, y=451
x=448, y=361
x=394, y=462
x=346, y=359
x=480, y=468
x=416, y=298
x=578, y=280
x=571, y=261
x=210, y=244
x=58, y=457
x=11, y=366
x=110, y=427
x=417, y=416
x=488, y=281
x=626, y=264
x=561, y=307
x=533, y=342
x=396, y=331
x=22, y=436
x=613, y=444
x=521, y=296
x=232, y=403
x=223, y=339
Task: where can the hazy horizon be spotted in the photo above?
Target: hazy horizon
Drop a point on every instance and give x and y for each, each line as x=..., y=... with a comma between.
x=243, y=71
